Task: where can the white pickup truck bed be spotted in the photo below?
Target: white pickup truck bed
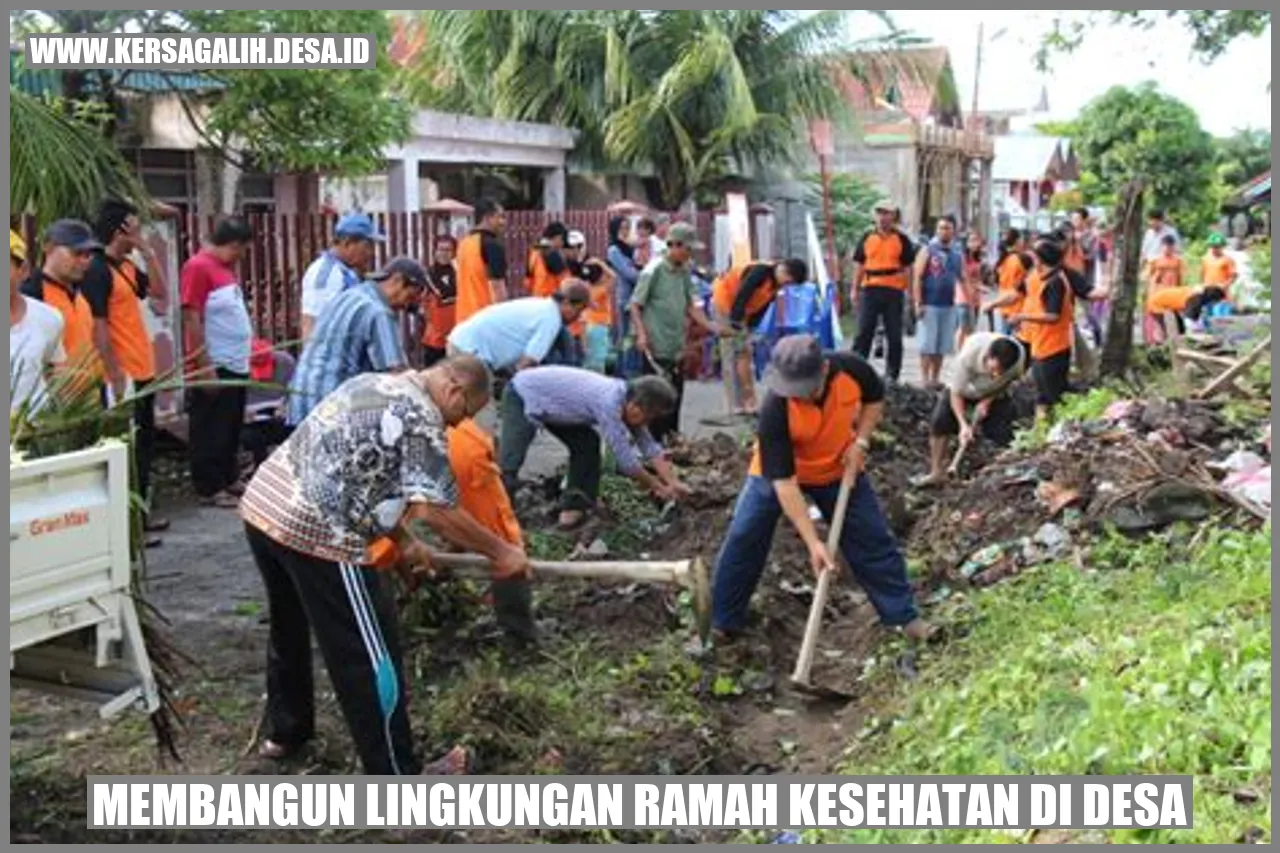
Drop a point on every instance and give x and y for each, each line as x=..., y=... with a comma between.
x=73, y=624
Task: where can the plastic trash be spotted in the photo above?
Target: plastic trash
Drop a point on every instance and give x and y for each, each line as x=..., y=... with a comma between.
x=1253, y=486
x=1053, y=539
x=1120, y=410
x=787, y=838
x=1241, y=462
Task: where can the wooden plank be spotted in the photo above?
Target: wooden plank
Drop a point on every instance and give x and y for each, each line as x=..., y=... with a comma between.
x=1229, y=377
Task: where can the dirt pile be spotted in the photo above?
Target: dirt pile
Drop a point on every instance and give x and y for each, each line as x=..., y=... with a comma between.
x=1144, y=466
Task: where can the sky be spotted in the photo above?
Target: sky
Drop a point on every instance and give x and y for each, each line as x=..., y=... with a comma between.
x=1231, y=93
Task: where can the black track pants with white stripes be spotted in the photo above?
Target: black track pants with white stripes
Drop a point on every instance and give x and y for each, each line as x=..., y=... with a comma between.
x=352, y=612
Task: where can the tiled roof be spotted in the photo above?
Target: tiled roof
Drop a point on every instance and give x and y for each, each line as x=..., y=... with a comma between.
x=910, y=78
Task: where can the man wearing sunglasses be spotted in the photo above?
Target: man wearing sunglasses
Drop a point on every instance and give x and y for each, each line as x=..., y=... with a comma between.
x=69, y=245
x=368, y=464
x=665, y=299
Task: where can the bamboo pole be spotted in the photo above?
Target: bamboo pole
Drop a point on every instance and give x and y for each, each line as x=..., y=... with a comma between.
x=640, y=571
x=1241, y=366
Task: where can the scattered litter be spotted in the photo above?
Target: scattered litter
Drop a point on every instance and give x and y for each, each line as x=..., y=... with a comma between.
x=1120, y=410
x=1240, y=462
x=786, y=838
x=1053, y=539
x=598, y=549
x=983, y=559
x=1252, y=486
x=1056, y=497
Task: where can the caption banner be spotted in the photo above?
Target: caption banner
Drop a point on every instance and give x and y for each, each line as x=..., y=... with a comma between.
x=634, y=802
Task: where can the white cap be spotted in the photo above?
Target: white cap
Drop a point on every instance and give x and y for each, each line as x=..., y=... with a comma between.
x=576, y=239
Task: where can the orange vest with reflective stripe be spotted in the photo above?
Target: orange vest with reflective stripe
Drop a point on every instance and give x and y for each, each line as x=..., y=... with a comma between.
x=821, y=432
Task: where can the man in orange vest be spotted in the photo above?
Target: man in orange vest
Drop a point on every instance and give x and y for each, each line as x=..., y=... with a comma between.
x=482, y=262
x=546, y=268
x=69, y=245
x=741, y=298
x=815, y=424
x=1048, y=316
x=883, y=266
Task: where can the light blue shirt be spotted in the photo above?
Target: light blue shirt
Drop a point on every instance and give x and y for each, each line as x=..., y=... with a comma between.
x=502, y=334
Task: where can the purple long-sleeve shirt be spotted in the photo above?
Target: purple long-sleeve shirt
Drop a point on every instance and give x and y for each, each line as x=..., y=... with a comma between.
x=570, y=395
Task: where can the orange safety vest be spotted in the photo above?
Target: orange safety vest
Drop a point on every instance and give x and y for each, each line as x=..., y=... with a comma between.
x=724, y=292
x=821, y=432
x=1011, y=273
x=886, y=263
x=600, y=311
x=77, y=328
x=1048, y=339
x=472, y=459
x=1169, y=300
x=539, y=280
x=473, y=277
x=1217, y=271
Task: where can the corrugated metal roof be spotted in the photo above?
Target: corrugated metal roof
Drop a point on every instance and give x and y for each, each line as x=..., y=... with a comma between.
x=1257, y=188
x=48, y=81
x=1024, y=158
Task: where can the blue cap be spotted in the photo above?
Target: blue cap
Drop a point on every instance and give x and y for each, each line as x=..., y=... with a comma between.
x=360, y=226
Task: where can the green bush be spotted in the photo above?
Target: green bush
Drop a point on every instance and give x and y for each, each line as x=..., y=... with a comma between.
x=1260, y=266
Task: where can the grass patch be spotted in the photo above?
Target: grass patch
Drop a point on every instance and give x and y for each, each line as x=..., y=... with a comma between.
x=1089, y=406
x=1156, y=660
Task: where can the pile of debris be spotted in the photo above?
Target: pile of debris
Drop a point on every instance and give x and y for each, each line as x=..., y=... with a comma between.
x=1143, y=466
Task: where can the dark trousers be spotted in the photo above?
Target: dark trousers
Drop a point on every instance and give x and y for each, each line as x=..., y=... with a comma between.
x=144, y=438
x=997, y=426
x=352, y=611
x=431, y=355
x=584, y=452
x=674, y=373
x=876, y=305
x=866, y=542
x=214, y=423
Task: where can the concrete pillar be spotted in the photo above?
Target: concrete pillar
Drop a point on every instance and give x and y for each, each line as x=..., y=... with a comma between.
x=403, y=187
x=216, y=182
x=984, y=222
x=553, y=190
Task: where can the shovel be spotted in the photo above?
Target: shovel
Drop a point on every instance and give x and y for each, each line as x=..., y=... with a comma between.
x=690, y=574
x=954, y=467
x=800, y=680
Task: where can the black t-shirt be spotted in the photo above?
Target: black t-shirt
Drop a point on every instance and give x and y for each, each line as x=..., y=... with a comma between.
x=494, y=254
x=777, y=455
x=443, y=281
x=1054, y=294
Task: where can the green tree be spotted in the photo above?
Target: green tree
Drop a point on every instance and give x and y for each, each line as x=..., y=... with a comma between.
x=1214, y=29
x=337, y=120
x=853, y=201
x=689, y=96
x=1142, y=133
x=1243, y=155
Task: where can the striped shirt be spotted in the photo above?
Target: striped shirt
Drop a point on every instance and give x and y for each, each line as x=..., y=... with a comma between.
x=348, y=472
x=324, y=279
x=357, y=333
x=571, y=395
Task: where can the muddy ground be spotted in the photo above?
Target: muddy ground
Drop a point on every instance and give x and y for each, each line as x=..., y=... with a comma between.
x=611, y=688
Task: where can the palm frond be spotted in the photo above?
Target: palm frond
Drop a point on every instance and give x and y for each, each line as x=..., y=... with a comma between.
x=60, y=166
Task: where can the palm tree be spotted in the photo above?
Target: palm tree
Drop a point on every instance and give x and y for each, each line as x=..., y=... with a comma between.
x=688, y=96
x=59, y=164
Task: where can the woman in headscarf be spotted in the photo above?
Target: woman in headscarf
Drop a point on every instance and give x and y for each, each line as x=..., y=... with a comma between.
x=621, y=259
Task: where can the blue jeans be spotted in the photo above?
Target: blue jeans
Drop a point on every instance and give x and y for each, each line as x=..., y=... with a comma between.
x=866, y=542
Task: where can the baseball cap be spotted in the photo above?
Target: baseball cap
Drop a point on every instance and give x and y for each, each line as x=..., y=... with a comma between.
x=1216, y=239
x=17, y=246
x=73, y=234
x=360, y=226
x=410, y=269
x=576, y=239
x=887, y=206
x=685, y=234
x=795, y=370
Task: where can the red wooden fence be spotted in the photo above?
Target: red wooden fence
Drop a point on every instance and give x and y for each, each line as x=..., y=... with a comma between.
x=284, y=244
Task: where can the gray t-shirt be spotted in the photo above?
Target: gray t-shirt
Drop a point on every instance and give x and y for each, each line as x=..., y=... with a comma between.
x=969, y=375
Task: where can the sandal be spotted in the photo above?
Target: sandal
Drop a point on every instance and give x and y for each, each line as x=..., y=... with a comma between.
x=273, y=751
x=455, y=762
x=571, y=519
x=222, y=500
